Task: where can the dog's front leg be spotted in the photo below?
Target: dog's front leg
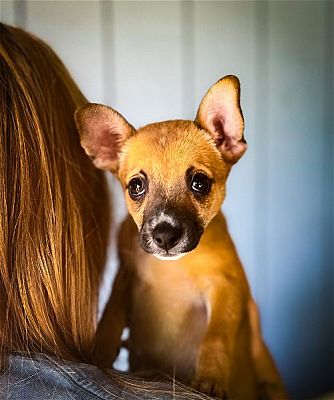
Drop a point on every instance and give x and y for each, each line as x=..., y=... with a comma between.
x=269, y=381
x=213, y=367
x=114, y=319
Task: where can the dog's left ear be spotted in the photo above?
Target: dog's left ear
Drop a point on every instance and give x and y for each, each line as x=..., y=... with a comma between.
x=220, y=114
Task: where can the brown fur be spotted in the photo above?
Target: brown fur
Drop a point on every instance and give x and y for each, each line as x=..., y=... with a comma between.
x=177, y=145
x=193, y=317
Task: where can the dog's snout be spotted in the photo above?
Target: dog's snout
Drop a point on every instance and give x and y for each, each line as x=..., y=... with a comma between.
x=166, y=236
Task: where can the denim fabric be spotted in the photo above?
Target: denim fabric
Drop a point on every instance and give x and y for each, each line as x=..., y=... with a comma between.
x=42, y=377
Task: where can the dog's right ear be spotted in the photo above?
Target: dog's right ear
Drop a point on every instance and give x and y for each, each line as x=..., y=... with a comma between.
x=220, y=114
x=103, y=132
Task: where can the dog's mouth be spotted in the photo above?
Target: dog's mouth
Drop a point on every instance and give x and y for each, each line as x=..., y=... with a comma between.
x=170, y=238
x=183, y=247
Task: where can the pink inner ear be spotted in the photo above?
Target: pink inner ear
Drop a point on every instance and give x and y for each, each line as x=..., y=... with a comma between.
x=218, y=122
x=223, y=124
x=102, y=143
x=226, y=132
x=218, y=131
x=103, y=132
x=221, y=135
x=108, y=144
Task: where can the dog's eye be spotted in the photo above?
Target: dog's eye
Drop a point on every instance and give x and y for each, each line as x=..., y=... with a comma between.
x=137, y=188
x=200, y=184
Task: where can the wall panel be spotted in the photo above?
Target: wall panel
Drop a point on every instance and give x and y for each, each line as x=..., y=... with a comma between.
x=147, y=70
x=7, y=12
x=73, y=30
x=299, y=323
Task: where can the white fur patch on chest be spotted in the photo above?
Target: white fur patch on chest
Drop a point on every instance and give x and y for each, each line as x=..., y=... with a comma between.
x=168, y=321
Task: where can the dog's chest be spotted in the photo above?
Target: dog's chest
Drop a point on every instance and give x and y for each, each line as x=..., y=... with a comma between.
x=168, y=320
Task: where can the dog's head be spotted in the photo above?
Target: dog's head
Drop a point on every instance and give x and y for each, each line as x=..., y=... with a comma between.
x=173, y=173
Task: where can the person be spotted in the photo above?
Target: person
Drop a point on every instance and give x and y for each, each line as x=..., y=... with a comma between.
x=54, y=225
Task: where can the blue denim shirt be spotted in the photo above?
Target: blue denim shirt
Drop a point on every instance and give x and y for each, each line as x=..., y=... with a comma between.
x=43, y=377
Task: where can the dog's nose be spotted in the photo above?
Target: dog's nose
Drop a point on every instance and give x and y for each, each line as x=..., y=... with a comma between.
x=166, y=236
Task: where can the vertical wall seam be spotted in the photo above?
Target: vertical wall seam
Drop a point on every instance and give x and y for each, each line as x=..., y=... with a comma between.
x=261, y=146
x=107, y=41
x=20, y=13
x=187, y=59
x=108, y=50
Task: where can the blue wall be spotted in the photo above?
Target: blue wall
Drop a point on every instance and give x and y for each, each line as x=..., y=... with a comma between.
x=155, y=60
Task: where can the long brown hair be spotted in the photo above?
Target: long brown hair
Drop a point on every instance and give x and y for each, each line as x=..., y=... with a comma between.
x=54, y=211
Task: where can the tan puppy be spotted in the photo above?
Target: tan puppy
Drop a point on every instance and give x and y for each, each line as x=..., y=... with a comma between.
x=181, y=288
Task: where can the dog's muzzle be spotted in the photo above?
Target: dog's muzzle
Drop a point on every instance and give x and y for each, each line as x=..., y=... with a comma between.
x=169, y=234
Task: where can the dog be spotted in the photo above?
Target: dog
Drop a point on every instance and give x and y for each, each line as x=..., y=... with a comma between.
x=180, y=288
